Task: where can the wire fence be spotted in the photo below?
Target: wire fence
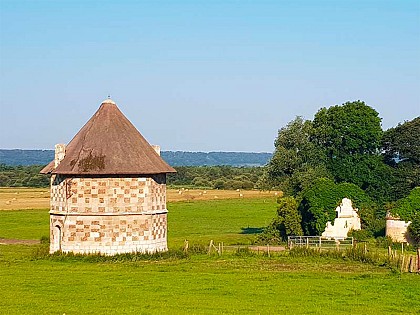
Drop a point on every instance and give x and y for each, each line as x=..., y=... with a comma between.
x=319, y=242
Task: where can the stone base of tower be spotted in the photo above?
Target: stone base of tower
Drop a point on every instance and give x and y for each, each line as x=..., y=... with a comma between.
x=108, y=234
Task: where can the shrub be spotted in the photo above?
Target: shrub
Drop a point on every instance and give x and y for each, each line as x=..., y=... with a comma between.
x=406, y=208
x=286, y=223
x=270, y=235
x=360, y=235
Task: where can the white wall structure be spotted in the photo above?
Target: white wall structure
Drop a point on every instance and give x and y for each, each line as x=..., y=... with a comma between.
x=347, y=219
x=396, y=229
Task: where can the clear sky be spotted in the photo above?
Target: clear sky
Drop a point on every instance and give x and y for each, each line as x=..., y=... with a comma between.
x=202, y=75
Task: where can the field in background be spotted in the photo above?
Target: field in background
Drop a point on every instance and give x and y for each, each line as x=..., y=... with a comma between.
x=24, y=198
x=39, y=198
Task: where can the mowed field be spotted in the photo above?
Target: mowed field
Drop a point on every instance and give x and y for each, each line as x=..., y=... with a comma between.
x=38, y=198
x=232, y=283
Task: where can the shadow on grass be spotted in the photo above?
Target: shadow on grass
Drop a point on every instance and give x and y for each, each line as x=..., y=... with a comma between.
x=251, y=230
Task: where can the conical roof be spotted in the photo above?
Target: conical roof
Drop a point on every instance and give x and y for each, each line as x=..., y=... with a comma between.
x=109, y=144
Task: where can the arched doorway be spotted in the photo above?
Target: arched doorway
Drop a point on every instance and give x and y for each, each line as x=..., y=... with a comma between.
x=57, y=238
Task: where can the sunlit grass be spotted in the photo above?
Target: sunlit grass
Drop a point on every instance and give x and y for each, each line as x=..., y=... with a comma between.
x=233, y=283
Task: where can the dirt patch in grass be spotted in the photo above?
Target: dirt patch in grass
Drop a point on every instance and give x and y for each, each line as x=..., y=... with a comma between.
x=267, y=248
x=9, y=241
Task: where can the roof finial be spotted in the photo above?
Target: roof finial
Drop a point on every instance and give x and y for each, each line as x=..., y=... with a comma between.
x=108, y=100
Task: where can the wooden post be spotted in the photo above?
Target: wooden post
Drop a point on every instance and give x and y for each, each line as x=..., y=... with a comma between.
x=402, y=248
x=307, y=242
x=210, y=246
x=220, y=249
x=418, y=259
x=268, y=250
x=410, y=264
x=402, y=264
x=186, y=247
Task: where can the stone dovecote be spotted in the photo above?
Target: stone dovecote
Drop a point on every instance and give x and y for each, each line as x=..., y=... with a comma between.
x=108, y=189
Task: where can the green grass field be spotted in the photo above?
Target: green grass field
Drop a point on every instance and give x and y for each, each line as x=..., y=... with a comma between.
x=199, y=284
x=232, y=221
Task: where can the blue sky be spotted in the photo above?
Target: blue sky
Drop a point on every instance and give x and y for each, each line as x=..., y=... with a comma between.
x=202, y=75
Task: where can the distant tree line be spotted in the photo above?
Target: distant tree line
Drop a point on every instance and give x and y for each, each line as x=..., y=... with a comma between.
x=209, y=177
x=343, y=152
x=22, y=176
x=216, y=177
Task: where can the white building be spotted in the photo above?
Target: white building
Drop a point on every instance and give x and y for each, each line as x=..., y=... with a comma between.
x=347, y=219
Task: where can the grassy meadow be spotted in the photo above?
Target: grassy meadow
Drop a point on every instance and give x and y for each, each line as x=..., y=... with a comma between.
x=234, y=283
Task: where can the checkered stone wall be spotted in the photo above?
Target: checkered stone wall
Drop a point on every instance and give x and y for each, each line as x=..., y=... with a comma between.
x=108, y=215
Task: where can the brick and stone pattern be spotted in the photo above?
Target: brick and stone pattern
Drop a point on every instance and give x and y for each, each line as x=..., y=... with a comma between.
x=110, y=234
x=108, y=215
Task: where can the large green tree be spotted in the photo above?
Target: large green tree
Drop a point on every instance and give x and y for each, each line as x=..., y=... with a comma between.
x=296, y=161
x=401, y=147
x=402, y=143
x=351, y=135
x=350, y=129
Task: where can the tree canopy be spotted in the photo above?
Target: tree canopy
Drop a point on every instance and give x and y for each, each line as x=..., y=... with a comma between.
x=348, y=129
x=401, y=148
x=296, y=160
x=406, y=208
x=402, y=143
x=343, y=143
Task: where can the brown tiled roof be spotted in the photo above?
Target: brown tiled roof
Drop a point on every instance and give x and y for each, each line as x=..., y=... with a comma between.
x=109, y=144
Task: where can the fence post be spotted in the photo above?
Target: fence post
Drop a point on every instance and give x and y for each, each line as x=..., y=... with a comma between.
x=210, y=246
x=402, y=264
x=418, y=259
x=307, y=242
x=410, y=265
x=186, y=246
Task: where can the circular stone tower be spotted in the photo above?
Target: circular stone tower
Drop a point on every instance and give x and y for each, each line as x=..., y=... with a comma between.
x=108, y=189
